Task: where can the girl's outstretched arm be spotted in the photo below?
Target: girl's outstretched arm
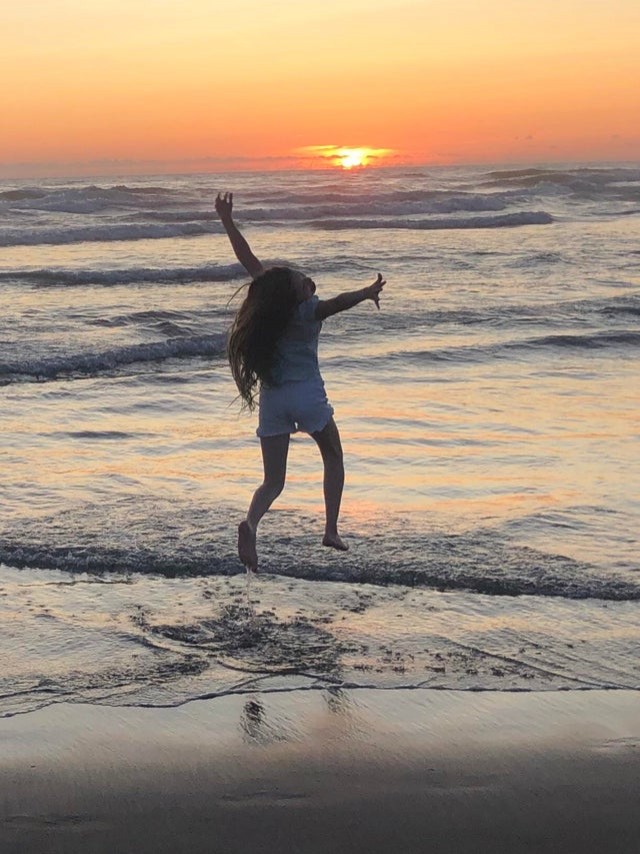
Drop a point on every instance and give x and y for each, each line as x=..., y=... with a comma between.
x=224, y=208
x=342, y=302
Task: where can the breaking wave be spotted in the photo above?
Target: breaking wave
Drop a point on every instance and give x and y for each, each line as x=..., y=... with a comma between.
x=108, y=360
x=479, y=353
x=103, y=233
x=128, y=275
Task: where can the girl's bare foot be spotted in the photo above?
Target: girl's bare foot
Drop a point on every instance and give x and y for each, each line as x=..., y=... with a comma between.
x=247, y=546
x=334, y=542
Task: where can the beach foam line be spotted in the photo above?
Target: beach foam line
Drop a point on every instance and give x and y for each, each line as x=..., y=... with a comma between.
x=473, y=562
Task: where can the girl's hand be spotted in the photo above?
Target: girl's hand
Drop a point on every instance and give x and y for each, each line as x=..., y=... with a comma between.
x=224, y=205
x=373, y=291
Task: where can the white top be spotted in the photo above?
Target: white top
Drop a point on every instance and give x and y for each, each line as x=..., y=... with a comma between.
x=296, y=357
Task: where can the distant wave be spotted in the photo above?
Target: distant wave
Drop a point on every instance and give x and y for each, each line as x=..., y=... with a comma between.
x=22, y=195
x=186, y=215
x=501, y=221
x=593, y=340
x=480, y=353
x=87, y=199
x=149, y=317
x=596, y=173
x=613, y=181
x=109, y=360
x=531, y=177
x=34, y=236
x=564, y=313
x=128, y=275
x=166, y=204
x=390, y=205
x=101, y=233
x=342, y=196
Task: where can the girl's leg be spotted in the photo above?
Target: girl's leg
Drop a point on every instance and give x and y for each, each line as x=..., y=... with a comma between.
x=328, y=440
x=274, y=460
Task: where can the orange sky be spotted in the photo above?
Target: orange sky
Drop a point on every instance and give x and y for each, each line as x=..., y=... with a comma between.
x=114, y=86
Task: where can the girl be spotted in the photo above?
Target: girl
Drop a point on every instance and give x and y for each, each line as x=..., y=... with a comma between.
x=273, y=352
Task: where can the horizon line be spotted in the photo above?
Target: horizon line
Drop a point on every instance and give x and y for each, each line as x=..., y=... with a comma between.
x=90, y=168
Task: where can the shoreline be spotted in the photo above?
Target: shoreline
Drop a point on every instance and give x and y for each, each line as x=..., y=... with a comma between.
x=334, y=770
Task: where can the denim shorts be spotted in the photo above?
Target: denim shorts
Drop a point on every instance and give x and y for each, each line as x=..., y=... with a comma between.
x=293, y=406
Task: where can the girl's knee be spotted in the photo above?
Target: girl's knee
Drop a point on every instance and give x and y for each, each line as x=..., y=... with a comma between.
x=273, y=487
x=329, y=445
x=333, y=458
x=333, y=450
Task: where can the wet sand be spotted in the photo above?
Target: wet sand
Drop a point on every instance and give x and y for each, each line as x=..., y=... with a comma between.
x=327, y=771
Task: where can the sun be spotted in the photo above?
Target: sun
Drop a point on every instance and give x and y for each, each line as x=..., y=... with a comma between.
x=343, y=157
x=348, y=158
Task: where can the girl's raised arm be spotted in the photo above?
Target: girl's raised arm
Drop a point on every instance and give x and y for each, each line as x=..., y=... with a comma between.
x=342, y=302
x=224, y=209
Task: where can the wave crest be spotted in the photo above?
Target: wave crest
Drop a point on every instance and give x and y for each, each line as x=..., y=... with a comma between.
x=109, y=360
x=509, y=220
x=56, y=277
x=103, y=233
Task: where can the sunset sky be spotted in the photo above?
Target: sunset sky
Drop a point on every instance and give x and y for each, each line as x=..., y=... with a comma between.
x=115, y=86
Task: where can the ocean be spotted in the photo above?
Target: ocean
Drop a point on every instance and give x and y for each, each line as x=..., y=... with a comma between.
x=489, y=414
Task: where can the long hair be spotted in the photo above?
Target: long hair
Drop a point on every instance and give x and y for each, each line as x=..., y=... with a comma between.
x=258, y=325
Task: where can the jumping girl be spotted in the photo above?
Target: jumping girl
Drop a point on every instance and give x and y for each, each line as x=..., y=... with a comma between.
x=273, y=353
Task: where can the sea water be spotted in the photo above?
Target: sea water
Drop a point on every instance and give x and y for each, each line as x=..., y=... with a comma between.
x=489, y=416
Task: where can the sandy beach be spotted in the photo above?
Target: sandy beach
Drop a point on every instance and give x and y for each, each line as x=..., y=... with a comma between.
x=327, y=771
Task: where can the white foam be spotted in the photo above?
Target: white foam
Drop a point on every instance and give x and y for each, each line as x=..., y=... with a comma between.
x=101, y=233
x=128, y=275
x=109, y=360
